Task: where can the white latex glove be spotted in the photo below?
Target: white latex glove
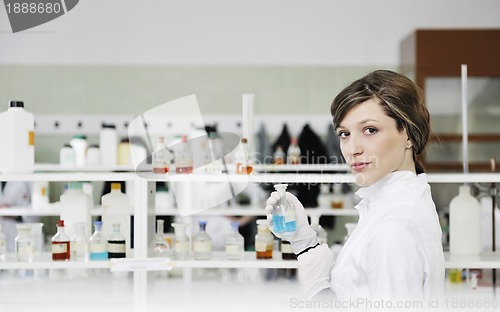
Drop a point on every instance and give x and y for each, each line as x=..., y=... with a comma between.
x=304, y=236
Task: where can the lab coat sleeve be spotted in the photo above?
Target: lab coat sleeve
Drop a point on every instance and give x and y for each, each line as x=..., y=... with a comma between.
x=314, y=270
x=395, y=261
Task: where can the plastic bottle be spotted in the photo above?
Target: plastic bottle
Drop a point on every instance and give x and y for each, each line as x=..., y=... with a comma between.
x=320, y=231
x=161, y=157
x=465, y=221
x=98, y=245
x=235, y=243
x=116, y=243
x=293, y=153
x=116, y=208
x=108, y=143
x=202, y=243
x=324, y=197
x=79, y=244
x=242, y=159
x=279, y=157
x=17, y=139
x=75, y=207
x=183, y=157
x=283, y=213
x=61, y=248
x=264, y=240
x=40, y=195
x=181, y=241
x=93, y=156
x=24, y=243
x=159, y=247
x=79, y=144
x=67, y=156
x=124, y=157
x=3, y=245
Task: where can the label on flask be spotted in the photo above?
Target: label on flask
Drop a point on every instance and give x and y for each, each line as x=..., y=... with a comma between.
x=98, y=248
x=59, y=248
x=233, y=249
x=31, y=138
x=204, y=246
x=24, y=250
x=181, y=247
x=116, y=246
x=260, y=246
x=286, y=248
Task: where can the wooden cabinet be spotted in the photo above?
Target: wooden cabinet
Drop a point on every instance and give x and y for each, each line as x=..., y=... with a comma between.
x=440, y=53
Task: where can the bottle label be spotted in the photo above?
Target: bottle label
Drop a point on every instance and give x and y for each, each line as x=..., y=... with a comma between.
x=233, y=249
x=260, y=246
x=205, y=246
x=181, y=247
x=59, y=248
x=286, y=248
x=31, y=138
x=98, y=248
x=24, y=249
x=79, y=248
x=116, y=247
x=289, y=215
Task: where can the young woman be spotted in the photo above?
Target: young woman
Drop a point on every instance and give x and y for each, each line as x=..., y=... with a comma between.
x=395, y=251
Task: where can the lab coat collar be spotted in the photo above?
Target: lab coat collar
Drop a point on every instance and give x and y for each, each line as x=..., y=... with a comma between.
x=392, y=182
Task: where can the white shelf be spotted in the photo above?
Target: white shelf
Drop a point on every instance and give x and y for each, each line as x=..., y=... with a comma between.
x=259, y=211
x=47, y=167
x=44, y=261
x=48, y=212
x=70, y=176
x=219, y=260
x=487, y=260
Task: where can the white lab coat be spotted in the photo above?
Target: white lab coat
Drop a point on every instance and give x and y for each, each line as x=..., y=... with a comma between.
x=395, y=251
x=14, y=194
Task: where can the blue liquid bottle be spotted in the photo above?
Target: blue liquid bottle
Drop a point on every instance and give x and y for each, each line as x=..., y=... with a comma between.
x=283, y=213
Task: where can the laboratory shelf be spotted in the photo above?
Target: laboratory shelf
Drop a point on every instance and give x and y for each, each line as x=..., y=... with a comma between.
x=259, y=211
x=52, y=211
x=44, y=261
x=219, y=260
x=48, y=167
x=487, y=260
x=69, y=176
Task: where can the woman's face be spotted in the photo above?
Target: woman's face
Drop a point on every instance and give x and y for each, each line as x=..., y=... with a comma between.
x=372, y=145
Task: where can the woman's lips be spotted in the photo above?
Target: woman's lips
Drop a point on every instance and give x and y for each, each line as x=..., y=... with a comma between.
x=359, y=166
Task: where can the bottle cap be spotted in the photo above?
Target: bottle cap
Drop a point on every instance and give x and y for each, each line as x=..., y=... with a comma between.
x=281, y=188
x=60, y=222
x=16, y=104
x=244, y=140
x=108, y=126
x=97, y=222
x=75, y=185
x=67, y=145
x=80, y=136
x=235, y=225
x=116, y=186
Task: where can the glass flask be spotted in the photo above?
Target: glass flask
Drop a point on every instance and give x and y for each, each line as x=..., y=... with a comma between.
x=79, y=244
x=338, y=196
x=159, y=247
x=242, y=158
x=181, y=241
x=98, y=246
x=235, y=243
x=61, y=243
x=24, y=243
x=161, y=157
x=293, y=153
x=264, y=240
x=202, y=243
x=283, y=213
x=3, y=245
x=116, y=243
x=183, y=157
x=213, y=159
x=279, y=157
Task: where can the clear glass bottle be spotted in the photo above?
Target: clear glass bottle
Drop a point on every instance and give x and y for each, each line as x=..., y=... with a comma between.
x=61, y=249
x=320, y=231
x=3, y=245
x=213, y=159
x=116, y=243
x=183, y=157
x=293, y=153
x=159, y=247
x=202, y=243
x=98, y=246
x=243, y=161
x=338, y=197
x=279, y=157
x=264, y=240
x=24, y=243
x=181, y=241
x=283, y=213
x=79, y=244
x=161, y=157
x=235, y=243
x=324, y=197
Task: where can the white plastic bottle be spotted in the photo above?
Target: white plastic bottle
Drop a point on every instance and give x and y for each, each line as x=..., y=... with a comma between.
x=79, y=144
x=17, y=139
x=67, y=155
x=116, y=209
x=465, y=232
x=108, y=144
x=40, y=195
x=75, y=208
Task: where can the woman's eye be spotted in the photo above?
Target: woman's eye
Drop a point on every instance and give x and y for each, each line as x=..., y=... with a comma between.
x=370, y=130
x=343, y=134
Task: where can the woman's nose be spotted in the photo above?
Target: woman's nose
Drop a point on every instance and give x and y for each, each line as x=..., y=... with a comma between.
x=352, y=147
